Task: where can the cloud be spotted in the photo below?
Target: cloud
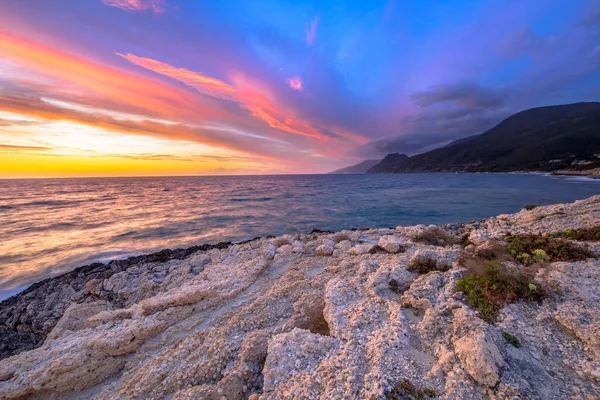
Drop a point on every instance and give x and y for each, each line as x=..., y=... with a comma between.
x=522, y=42
x=295, y=83
x=156, y=6
x=234, y=171
x=311, y=31
x=591, y=19
x=596, y=53
x=447, y=113
x=196, y=80
x=462, y=94
x=410, y=144
x=19, y=149
x=245, y=93
x=78, y=75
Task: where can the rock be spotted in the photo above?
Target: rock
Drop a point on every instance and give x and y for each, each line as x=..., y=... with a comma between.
x=75, y=318
x=297, y=247
x=480, y=357
x=361, y=249
x=296, y=352
x=269, y=250
x=391, y=244
x=442, y=256
x=324, y=250
x=268, y=319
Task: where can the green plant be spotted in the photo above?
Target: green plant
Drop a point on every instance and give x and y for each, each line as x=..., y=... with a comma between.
x=512, y=339
x=555, y=249
x=585, y=234
x=405, y=389
x=423, y=265
x=539, y=255
x=393, y=284
x=490, y=290
x=524, y=258
x=530, y=207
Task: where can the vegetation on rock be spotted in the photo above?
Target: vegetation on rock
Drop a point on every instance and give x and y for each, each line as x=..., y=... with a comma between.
x=436, y=236
x=585, y=234
x=497, y=285
x=529, y=249
x=405, y=389
x=512, y=339
x=423, y=265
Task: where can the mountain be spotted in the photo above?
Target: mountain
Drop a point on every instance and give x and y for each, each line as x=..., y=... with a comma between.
x=359, y=168
x=544, y=138
x=394, y=160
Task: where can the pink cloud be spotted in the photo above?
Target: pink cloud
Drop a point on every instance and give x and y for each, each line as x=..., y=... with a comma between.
x=295, y=83
x=156, y=6
x=311, y=32
x=246, y=93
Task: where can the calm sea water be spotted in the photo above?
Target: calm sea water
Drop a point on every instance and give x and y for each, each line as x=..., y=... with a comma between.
x=51, y=226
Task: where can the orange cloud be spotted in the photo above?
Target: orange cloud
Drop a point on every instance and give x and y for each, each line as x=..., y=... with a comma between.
x=99, y=80
x=259, y=104
x=156, y=6
x=295, y=83
x=202, y=83
x=311, y=32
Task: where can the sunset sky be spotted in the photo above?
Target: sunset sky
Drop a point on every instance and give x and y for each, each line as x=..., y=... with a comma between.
x=189, y=87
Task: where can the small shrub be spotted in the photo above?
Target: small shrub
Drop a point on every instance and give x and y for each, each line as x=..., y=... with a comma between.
x=524, y=258
x=394, y=285
x=530, y=207
x=539, y=256
x=490, y=290
x=555, y=249
x=586, y=234
x=491, y=250
x=405, y=389
x=512, y=339
x=437, y=237
x=423, y=265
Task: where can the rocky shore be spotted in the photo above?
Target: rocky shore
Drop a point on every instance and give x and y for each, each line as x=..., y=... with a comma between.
x=588, y=173
x=503, y=308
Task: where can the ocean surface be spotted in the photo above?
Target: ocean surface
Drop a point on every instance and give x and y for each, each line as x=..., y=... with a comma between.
x=51, y=226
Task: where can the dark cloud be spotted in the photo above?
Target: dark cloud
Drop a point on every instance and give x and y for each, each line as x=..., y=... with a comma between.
x=465, y=94
x=412, y=143
x=437, y=126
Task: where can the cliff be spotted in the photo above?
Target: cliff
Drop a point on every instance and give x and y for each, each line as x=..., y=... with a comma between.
x=487, y=309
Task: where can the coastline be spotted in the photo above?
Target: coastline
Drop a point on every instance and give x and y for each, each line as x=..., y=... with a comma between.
x=255, y=319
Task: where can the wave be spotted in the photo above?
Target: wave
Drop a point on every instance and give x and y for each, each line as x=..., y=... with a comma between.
x=244, y=199
x=51, y=203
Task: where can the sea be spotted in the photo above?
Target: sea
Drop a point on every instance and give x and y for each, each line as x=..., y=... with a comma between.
x=51, y=226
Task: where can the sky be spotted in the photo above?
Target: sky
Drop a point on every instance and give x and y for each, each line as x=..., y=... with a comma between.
x=194, y=87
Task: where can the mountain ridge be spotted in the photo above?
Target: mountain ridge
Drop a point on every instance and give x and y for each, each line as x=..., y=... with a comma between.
x=539, y=139
x=359, y=168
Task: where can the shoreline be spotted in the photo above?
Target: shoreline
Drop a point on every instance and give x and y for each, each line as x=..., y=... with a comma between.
x=272, y=317
x=142, y=253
